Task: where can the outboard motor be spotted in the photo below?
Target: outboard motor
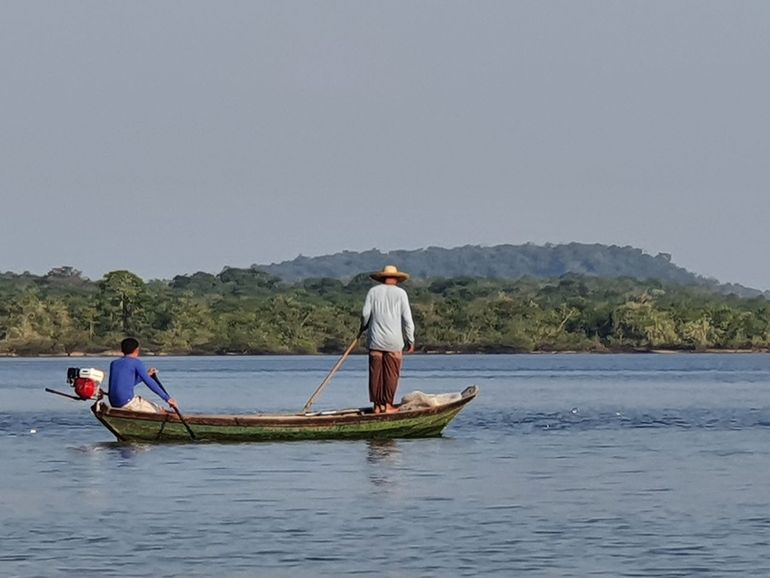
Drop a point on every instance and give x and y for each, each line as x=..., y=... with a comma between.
x=85, y=381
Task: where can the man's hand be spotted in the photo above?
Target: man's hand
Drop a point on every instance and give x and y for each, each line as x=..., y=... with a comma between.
x=172, y=403
x=410, y=349
x=152, y=372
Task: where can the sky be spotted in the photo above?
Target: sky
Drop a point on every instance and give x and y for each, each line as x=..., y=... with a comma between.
x=168, y=137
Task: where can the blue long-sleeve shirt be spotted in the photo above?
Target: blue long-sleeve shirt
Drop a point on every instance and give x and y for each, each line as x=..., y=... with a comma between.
x=125, y=374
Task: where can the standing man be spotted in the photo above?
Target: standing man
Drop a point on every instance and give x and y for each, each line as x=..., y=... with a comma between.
x=387, y=320
x=126, y=373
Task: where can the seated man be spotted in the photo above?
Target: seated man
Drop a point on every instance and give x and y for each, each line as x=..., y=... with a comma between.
x=126, y=373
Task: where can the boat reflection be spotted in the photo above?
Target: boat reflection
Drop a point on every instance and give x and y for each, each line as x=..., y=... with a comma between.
x=125, y=451
x=384, y=457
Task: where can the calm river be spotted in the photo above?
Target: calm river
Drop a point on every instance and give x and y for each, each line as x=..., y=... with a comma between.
x=566, y=465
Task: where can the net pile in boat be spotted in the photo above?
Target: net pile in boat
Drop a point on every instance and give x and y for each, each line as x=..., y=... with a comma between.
x=420, y=400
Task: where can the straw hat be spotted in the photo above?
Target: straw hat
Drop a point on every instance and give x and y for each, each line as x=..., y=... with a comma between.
x=389, y=271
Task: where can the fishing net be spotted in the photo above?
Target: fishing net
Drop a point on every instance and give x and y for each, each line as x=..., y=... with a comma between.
x=420, y=400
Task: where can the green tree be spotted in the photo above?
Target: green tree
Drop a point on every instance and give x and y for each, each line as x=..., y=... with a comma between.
x=120, y=301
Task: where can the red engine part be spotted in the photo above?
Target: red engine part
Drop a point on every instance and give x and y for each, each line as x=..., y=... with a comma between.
x=85, y=388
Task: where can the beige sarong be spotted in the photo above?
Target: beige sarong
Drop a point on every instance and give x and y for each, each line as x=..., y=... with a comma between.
x=138, y=403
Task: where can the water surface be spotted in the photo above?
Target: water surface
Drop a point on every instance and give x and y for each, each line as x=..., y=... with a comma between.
x=566, y=465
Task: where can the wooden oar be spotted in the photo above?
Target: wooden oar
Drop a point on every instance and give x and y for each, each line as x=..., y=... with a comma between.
x=328, y=378
x=179, y=413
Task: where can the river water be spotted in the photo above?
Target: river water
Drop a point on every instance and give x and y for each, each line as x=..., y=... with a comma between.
x=566, y=465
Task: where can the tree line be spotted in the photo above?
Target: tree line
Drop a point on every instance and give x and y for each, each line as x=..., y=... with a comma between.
x=248, y=311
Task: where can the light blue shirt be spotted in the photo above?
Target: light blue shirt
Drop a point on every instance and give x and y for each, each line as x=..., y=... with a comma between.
x=387, y=318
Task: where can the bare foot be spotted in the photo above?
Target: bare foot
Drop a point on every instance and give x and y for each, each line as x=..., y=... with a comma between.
x=391, y=409
x=377, y=409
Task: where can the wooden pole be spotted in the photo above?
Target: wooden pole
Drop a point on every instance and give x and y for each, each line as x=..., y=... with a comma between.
x=328, y=378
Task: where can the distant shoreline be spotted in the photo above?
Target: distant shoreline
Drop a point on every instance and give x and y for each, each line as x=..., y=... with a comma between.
x=502, y=351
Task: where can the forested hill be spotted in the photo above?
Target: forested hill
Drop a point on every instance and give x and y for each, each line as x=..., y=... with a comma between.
x=501, y=262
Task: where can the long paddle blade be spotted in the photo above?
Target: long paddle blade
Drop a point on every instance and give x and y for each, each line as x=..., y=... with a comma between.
x=176, y=410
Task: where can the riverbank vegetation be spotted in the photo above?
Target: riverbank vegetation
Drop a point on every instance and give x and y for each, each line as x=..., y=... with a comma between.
x=247, y=311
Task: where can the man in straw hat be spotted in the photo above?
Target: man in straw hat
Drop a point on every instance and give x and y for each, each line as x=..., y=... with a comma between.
x=387, y=320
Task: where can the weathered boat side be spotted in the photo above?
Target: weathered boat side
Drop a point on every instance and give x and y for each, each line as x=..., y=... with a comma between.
x=343, y=424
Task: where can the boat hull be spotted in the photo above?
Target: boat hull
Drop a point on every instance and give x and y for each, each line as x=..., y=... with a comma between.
x=343, y=424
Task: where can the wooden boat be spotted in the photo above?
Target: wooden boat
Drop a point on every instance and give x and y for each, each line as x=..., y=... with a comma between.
x=338, y=424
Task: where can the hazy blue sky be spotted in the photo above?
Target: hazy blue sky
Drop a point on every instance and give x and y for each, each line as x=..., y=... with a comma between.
x=171, y=137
